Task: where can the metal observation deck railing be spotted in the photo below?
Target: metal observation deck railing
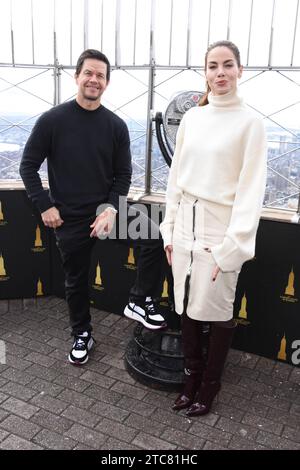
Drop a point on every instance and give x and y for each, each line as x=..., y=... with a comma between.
x=154, y=48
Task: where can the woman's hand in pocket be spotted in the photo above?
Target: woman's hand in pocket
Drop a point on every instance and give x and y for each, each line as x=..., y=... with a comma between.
x=215, y=273
x=216, y=268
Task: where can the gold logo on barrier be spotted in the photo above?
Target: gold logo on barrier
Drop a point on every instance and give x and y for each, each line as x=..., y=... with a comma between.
x=39, y=290
x=3, y=276
x=2, y=268
x=38, y=243
x=289, y=293
x=243, y=315
x=290, y=290
x=2, y=221
x=282, y=351
x=98, y=281
x=165, y=293
x=130, y=260
x=243, y=310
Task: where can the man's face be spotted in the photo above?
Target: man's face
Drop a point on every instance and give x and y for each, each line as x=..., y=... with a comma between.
x=92, y=80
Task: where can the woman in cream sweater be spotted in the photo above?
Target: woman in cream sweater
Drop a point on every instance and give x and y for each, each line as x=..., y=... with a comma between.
x=213, y=203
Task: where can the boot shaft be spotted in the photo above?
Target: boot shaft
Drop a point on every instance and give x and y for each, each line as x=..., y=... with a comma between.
x=192, y=343
x=219, y=345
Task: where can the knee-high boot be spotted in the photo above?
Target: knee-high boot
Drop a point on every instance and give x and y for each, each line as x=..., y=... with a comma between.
x=219, y=344
x=192, y=342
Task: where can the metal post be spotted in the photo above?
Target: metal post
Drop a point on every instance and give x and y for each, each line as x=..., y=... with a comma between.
x=54, y=35
x=57, y=83
x=117, y=34
x=271, y=35
x=55, y=86
x=134, y=35
x=71, y=32
x=32, y=32
x=12, y=37
x=229, y=20
x=56, y=68
x=295, y=32
x=57, y=73
x=189, y=27
x=250, y=31
x=171, y=32
x=86, y=26
x=102, y=23
x=209, y=24
x=150, y=103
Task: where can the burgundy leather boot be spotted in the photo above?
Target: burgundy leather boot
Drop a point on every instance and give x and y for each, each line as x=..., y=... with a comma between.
x=219, y=344
x=192, y=350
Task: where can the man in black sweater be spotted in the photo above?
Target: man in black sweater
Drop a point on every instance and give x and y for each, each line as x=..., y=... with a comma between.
x=89, y=166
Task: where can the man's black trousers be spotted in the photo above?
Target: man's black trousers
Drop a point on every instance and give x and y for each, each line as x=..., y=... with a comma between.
x=75, y=246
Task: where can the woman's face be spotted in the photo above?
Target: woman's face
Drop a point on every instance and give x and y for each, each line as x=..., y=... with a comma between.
x=222, y=70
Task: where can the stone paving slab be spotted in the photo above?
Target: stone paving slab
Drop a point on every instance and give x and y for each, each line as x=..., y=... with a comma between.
x=45, y=403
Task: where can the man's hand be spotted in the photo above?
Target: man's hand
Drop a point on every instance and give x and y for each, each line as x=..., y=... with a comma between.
x=169, y=250
x=51, y=218
x=103, y=223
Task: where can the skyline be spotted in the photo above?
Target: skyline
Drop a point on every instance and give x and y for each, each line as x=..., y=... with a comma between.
x=283, y=157
x=275, y=95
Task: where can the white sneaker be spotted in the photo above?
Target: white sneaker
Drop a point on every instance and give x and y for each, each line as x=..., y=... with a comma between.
x=83, y=343
x=145, y=314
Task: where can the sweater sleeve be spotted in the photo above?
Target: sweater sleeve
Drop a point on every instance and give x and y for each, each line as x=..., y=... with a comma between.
x=35, y=151
x=238, y=245
x=173, y=193
x=122, y=168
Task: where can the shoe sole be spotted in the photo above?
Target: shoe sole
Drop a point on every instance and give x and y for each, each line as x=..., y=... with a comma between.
x=81, y=363
x=134, y=316
x=77, y=363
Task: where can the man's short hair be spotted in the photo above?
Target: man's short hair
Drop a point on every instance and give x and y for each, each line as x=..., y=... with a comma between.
x=92, y=54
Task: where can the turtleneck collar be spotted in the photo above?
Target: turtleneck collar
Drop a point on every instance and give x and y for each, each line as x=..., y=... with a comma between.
x=231, y=99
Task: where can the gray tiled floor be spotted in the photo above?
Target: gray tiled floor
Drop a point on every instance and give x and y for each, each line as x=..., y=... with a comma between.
x=45, y=403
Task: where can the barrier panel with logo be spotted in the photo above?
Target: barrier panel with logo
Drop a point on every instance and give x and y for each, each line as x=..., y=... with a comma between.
x=266, y=306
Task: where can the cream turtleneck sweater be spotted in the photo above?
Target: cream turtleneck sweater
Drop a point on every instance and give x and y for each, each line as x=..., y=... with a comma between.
x=220, y=156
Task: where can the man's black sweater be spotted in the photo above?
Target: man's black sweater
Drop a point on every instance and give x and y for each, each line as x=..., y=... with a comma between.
x=88, y=157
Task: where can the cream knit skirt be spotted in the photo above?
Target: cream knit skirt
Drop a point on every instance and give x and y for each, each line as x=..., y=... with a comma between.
x=201, y=224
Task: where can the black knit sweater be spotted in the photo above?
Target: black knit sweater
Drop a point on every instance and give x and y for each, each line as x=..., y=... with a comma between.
x=88, y=156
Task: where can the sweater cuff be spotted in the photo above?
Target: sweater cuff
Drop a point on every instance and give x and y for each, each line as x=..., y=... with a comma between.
x=102, y=207
x=113, y=200
x=167, y=234
x=228, y=256
x=44, y=202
